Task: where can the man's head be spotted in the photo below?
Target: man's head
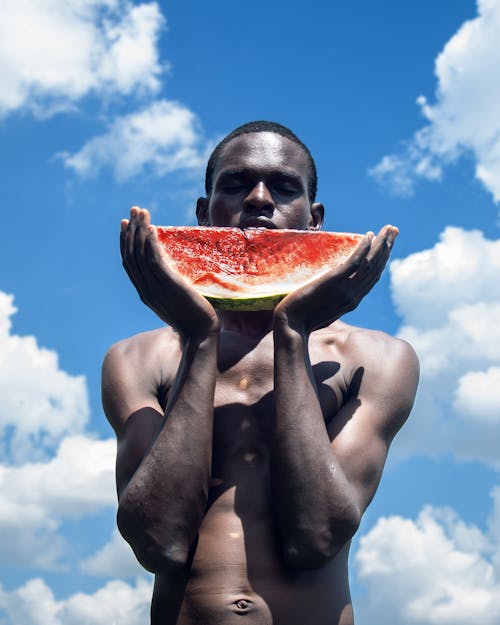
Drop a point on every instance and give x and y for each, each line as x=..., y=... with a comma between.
x=261, y=174
x=263, y=126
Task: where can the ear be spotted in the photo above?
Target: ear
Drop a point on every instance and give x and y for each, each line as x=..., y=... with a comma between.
x=317, y=216
x=202, y=211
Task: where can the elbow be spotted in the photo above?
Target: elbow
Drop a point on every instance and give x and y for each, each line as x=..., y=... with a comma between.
x=314, y=548
x=156, y=556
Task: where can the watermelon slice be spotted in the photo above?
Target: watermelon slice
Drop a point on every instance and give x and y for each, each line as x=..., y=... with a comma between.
x=252, y=269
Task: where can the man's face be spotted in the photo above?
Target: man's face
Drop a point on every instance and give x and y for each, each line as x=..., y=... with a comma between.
x=260, y=180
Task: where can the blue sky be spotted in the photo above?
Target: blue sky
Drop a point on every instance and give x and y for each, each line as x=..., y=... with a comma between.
x=107, y=103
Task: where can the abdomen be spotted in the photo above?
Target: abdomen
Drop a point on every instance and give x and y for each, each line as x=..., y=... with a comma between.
x=237, y=571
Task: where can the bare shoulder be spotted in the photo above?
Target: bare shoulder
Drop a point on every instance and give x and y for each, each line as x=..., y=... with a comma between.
x=145, y=347
x=371, y=349
x=381, y=370
x=137, y=371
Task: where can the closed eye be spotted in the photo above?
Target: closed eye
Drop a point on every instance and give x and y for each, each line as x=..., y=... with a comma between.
x=286, y=184
x=284, y=189
x=233, y=188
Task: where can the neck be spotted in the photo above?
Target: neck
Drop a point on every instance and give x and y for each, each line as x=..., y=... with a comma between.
x=254, y=324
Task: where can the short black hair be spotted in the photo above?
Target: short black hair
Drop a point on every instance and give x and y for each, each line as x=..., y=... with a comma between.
x=263, y=126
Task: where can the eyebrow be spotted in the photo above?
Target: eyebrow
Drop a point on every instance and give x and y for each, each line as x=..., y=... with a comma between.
x=242, y=172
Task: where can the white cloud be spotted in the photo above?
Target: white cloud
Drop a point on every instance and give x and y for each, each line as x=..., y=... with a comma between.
x=40, y=402
x=478, y=395
x=449, y=298
x=164, y=137
x=43, y=406
x=461, y=269
x=115, y=559
x=115, y=603
x=78, y=481
x=398, y=172
x=464, y=117
x=55, y=52
x=435, y=570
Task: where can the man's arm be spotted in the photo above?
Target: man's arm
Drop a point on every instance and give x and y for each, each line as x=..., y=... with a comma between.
x=164, y=458
x=324, y=479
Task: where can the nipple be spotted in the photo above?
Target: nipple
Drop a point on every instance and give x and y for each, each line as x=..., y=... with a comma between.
x=245, y=424
x=243, y=383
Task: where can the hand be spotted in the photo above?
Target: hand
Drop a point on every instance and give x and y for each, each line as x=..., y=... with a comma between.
x=322, y=301
x=159, y=286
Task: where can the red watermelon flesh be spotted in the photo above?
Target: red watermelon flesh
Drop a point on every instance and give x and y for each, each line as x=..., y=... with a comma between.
x=252, y=269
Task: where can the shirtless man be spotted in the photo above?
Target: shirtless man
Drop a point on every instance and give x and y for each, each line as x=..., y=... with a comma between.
x=250, y=444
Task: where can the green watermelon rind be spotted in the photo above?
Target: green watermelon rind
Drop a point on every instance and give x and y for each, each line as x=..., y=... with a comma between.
x=245, y=304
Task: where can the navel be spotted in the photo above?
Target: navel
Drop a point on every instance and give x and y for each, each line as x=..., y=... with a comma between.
x=242, y=606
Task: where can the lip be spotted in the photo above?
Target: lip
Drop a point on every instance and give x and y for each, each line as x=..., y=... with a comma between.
x=257, y=222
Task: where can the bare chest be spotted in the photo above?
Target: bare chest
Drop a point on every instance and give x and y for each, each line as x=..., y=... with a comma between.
x=243, y=402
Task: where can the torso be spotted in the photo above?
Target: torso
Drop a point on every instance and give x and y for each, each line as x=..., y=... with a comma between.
x=237, y=571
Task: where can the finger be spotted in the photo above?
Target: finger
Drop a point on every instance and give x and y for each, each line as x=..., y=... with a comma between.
x=357, y=257
x=134, y=246
x=389, y=231
x=385, y=238
x=143, y=223
x=373, y=265
x=371, y=270
x=369, y=274
x=376, y=260
x=131, y=228
x=123, y=236
x=129, y=248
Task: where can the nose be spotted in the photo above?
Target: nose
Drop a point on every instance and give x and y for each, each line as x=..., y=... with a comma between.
x=259, y=199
